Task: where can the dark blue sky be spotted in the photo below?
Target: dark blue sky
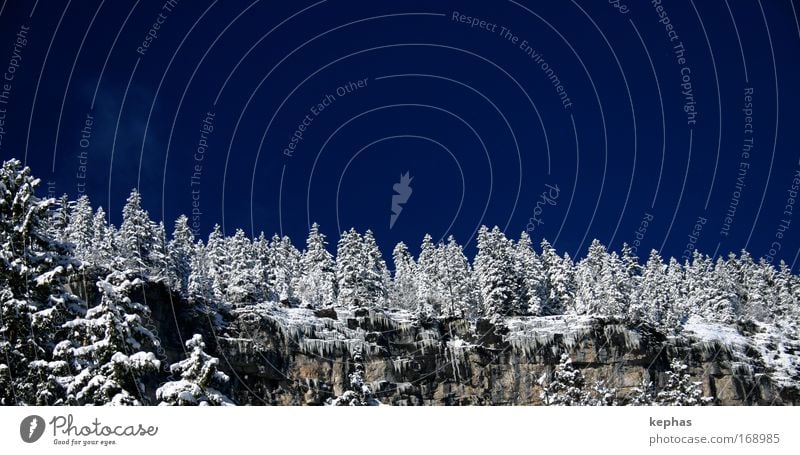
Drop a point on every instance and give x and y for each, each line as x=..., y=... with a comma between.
x=633, y=112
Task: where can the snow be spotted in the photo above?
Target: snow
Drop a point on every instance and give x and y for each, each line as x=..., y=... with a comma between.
x=712, y=336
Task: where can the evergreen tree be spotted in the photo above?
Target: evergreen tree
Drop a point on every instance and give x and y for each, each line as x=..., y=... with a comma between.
x=102, y=253
x=500, y=285
x=181, y=250
x=565, y=387
x=602, y=395
x=559, y=281
x=317, y=284
x=592, y=295
x=630, y=278
x=80, y=230
x=375, y=279
x=200, y=287
x=648, y=305
x=139, y=240
x=358, y=392
x=216, y=255
x=110, y=349
x=680, y=390
x=239, y=266
x=34, y=299
x=428, y=298
x=59, y=216
x=348, y=269
x=404, y=291
x=459, y=295
x=675, y=304
x=200, y=380
x=361, y=272
x=644, y=395
x=529, y=267
x=785, y=296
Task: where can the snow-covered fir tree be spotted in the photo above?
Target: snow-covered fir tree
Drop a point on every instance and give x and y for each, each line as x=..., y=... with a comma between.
x=679, y=388
x=643, y=395
x=348, y=269
x=559, y=281
x=102, y=252
x=200, y=285
x=180, y=251
x=499, y=284
x=528, y=266
x=79, y=231
x=110, y=349
x=357, y=392
x=428, y=300
x=284, y=268
x=361, y=272
x=200, y=380
x=602, y=395
x=317, y=282
x=140, y=241
x=239, y=268
x=34, y=299
x=459, y=295
x=565, y=387
x=403, y=293
x=375, y=281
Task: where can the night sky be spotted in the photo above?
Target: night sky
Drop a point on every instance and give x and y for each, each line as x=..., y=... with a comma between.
x=670, y=125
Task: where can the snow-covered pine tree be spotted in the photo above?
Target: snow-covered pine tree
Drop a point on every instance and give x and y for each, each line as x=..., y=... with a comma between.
x=80, y=231
x=283, y=265
x=348, y=269
x=139, y=241
x=428, y=298
x=317, y=283
x=675, y=307
x=263, y=270
x=565, y=387
x=458, y=290
x=109, y=350
x=647, y=305
x=102, y=253
x=375, y=281
x=616, y=286
x=200, y=287
x=200, y=380
x=403, y=292
x=560, y=281
x=643, y=395
x=630, y=278
x=358, y=393
x=34, y=300
x=158, y=260
x=216, y=255
x=723, y=304
x=529, y=267
x=58, y=214
x=785, y=303
x=591, y=295
x=180, y=254
x=499, y=284
x=602, y=395
x=679, y=389
x=239, y=266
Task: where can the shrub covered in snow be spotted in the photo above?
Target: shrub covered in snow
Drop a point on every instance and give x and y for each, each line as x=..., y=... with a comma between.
x=199, y=382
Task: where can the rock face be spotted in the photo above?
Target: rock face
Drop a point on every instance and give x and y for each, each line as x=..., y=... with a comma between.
x=277, y=355
x=274, y=362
